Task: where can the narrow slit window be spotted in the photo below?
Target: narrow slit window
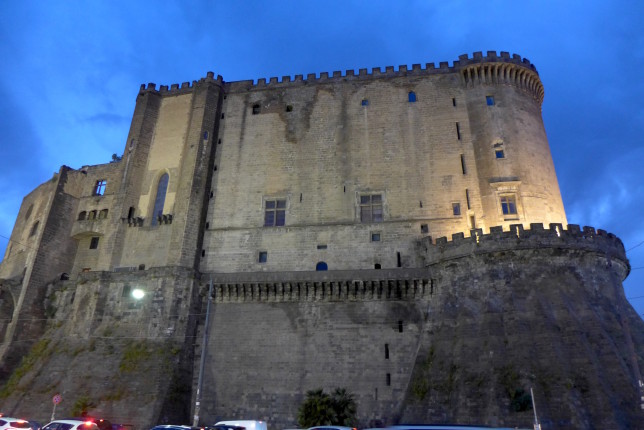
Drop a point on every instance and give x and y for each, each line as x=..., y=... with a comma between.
x=454, y=101
x=398, y=259
x=386, y=351
x=463, y=166
x=388, y=379
x=467, y=198
x=159, y=201
x=400, y=326
x=458, y=131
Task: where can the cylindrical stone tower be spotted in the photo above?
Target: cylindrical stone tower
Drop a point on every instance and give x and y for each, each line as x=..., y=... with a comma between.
x=516, y=175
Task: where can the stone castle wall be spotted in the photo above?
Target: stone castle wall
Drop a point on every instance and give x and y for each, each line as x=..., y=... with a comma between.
x=418, y=329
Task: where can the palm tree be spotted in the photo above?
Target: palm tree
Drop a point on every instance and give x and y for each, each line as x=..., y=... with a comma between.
x=316, y=410
x=344, y=406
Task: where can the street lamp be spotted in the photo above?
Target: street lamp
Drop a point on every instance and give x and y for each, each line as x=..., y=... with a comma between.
x=138, y=294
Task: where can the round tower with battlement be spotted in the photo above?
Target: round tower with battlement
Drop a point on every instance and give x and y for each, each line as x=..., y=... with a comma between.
x=516, y=176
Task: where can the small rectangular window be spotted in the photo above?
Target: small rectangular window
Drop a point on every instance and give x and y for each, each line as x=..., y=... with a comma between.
x=93, y=244
x=499, y=153
x=371, y=208
x=489, y=100
x=509, y=205
x=400, y=326
x=321, y=246
x=386, y=351
x=458, y=131
x=375, y=237
x=256, y=109
x=274, y=213
x=424, y=228
x=263, y=257
x=388, y=379
x=365, y=102
x=456, y=209
x=99, y=188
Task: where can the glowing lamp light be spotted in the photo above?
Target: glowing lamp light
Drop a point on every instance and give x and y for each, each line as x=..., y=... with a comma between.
x=138, y=294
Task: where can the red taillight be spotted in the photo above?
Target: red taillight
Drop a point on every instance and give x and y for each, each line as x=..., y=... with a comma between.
x=88, y=423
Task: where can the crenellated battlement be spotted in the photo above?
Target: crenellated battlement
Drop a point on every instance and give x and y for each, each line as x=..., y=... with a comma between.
x=491, y=72
x=517, y=238
x=492, y=68
x=185, y=87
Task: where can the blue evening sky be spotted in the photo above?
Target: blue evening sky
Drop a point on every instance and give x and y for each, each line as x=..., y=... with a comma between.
x=70, y=73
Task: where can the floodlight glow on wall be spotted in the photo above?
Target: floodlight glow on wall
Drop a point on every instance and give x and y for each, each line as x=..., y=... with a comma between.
x=138, y=294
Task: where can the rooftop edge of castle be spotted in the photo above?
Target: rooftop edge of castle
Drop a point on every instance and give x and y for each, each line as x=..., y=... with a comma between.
x=389, y=71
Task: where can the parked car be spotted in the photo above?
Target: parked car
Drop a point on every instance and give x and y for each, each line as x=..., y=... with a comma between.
x=8, y=423
x=71, y=425
x=244, y=424
x=331, y=428
x=224, y=427
x=176, y=427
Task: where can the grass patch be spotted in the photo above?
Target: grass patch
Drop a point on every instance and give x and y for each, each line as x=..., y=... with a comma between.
x=38, y=352
x=134, y=355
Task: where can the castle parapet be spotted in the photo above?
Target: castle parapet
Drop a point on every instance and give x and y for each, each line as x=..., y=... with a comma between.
x=503, y=70
x=186, y=87
x=518, y=238
x=516, y=70
x=340, y=285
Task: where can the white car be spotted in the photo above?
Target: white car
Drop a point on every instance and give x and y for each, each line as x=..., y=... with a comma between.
x=8, y=423
x=70, y=425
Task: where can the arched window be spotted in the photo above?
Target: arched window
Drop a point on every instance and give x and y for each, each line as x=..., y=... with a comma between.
x=28, y=214
x=82, y=216
x=321, y=266
x=91, y=215
x=34, y=229
x=159, y=201
x=102, y=214
x=412, y=97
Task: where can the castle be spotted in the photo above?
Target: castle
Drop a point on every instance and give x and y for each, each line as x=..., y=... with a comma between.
x=320, y=208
